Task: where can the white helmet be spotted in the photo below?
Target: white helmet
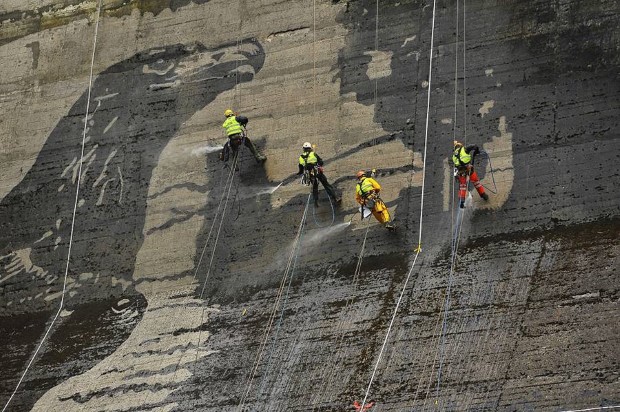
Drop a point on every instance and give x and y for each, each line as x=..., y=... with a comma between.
x=307, y=145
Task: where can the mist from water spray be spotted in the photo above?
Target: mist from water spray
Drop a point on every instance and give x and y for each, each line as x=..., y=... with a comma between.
x=320, y=235
x=269, y=189
x=309, y=238
x=202, y=150
x=469, y=200
x=257, y=191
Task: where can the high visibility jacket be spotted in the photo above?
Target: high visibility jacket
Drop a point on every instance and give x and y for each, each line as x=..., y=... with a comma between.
x=232, y=126
x=308, y=159
x=365, y=187
x=460, y=157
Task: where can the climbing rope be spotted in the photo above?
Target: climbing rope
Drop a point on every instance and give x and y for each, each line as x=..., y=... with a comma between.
x=295, y=251
x=419, y=248
x=357, y=271
x=292, y=258
x=225, y=194
x=215, y=242
x=224, y=199
x=494, y=190
x=447, y=301
x=464, y=76
x=456, y=233
x=77, y=194
x=330, y=365
x=456, y=73
x=596, y=408
x=314, y=70
x=223, y=202
x=227, y=183
x=426, y=358
x=316, y=222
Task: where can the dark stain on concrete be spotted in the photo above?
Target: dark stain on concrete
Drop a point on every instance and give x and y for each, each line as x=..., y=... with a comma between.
x=35, y=53
x=26, y=22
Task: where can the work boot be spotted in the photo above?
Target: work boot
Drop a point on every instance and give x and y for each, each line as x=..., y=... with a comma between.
x=462, y=204
x=389, y=226
x=260, y=158
x=485, y=196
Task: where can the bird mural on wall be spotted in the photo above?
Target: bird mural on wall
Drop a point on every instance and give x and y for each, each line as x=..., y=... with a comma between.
x=136, y=107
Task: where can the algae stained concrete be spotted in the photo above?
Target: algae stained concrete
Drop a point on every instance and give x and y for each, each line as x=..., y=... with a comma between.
x=177, y=292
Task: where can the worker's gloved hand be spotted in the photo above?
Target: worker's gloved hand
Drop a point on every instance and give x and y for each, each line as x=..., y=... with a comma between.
x=462, y=204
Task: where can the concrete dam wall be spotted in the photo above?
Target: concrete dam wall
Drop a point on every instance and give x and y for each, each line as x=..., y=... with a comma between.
x=138, y=272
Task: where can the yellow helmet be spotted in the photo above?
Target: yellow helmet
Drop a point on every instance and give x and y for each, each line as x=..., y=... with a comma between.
x=228, y=112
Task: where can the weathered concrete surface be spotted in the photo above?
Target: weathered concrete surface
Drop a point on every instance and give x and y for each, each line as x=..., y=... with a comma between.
x=149, y=324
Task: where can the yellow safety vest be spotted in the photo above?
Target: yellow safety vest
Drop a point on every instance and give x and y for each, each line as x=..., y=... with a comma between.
x=364, y=187
x=460, y=157
x=309, y=159
x=232, y=126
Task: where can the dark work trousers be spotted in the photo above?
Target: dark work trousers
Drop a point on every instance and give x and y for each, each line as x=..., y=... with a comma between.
x=246, y=141
x=328, y=188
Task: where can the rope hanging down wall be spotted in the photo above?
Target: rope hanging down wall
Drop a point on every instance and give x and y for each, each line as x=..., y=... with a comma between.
x=456, y=230
x=288, y=271
x=419, y=248
x=217, y=218
x=75, y=204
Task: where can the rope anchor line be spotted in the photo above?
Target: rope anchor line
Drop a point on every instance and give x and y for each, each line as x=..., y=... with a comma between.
x=77, y=194
x=419, y=248
x=288, y=271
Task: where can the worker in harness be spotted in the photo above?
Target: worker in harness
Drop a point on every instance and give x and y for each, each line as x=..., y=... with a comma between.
x=312, y=164
x=463, y=159
x=235, y=130
x=367, y=195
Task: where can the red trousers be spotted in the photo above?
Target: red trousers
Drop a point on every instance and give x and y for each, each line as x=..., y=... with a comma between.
x=473, y=177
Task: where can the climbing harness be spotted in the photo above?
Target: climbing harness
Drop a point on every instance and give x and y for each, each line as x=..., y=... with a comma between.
x=309, y=178
x=232, y=146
